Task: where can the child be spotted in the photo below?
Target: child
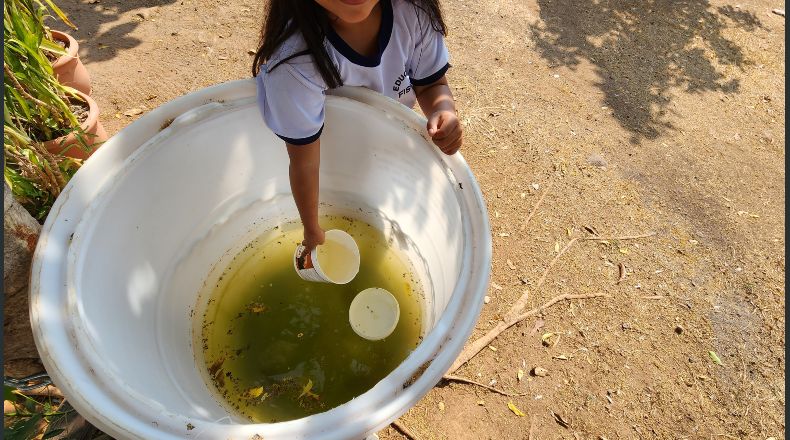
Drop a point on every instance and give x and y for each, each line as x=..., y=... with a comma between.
x=395, y=47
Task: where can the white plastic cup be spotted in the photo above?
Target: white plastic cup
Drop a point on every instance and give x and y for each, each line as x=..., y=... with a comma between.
x=309, y=267
x=374, y=314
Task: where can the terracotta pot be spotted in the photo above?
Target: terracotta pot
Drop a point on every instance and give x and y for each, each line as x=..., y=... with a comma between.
x=69, y=70
x=94, y=135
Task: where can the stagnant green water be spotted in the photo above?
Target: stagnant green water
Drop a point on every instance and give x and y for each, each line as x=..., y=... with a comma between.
x=278, y=348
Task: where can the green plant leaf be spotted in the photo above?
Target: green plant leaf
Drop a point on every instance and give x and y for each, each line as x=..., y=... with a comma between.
x=715, y=358
x=23, y=429
x=8, y=393
x=60, y=14
x=52, y=433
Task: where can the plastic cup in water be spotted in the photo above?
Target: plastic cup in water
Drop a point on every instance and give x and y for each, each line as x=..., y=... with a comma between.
x=374, y=314
x=336, y=261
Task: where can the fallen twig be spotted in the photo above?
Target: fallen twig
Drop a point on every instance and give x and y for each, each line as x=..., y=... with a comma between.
x=470, y=351
x=531, y=428
x=624, y=237
x=483, y=341
x=514, y=315
x=621, y=268
x=44, y=391
x=403, y=430
x=537, y=205
x=470, y=381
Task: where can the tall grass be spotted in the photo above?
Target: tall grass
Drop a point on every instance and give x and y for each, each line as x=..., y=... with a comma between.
x=37, y=107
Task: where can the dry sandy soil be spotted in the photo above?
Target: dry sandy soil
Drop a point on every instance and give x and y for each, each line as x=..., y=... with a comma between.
x=651, y=116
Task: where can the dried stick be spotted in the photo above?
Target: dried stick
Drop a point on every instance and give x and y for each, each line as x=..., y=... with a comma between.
x=53, y=163
x=621, y=238
x=50, y=168
x=532, y=428
x=481, y=342
x=555, y=300
x=21, y=89
x=45, y=391
x=470, y=381
x=537, y=205
x=514, y=315
x=403, y=430
x=36, y=173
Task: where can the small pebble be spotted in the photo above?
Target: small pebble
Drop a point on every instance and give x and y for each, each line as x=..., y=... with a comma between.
x=679, y=329
x=596, y=160
x=540, y=372
x=486, y=299
x=441, y=406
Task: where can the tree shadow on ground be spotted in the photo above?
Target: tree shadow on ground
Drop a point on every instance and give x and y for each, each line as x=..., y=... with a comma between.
x=642, y=50
x=91, y=16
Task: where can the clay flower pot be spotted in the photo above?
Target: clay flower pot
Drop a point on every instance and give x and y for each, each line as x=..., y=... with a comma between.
x=93, y=133
x=69, y=70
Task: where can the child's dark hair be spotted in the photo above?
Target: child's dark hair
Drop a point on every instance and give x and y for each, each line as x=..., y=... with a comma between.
x=286, y=17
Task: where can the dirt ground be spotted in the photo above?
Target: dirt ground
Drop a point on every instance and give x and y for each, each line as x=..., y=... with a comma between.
x=637, y=116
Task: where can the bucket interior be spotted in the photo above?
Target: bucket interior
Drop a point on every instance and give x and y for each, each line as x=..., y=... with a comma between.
x=191, y=197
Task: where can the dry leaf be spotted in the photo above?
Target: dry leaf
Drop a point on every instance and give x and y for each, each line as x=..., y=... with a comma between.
x=520, y=374
x=570, y=232
x=150, y=97
x=481, y=402
x=256, y=307
x=441, y=406
x=496, y=286
x=306, y=390
x=562, y=422
x=556, y=246
x=624, y=251
x=546, y=338
x=133, y=112
x=742, y=213
x=252, y=393
x=561, y=357
x=511, y=265
x=515, y=410
x=492, y=348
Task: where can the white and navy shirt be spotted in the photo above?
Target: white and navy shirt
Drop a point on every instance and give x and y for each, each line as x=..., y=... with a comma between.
x=291, y=91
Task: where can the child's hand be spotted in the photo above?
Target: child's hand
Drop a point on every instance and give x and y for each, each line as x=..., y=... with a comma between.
x=445, y=131
x=312, y=238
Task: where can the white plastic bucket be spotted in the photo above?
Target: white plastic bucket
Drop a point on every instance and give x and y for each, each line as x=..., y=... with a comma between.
x=131, y=240
x=310, y=268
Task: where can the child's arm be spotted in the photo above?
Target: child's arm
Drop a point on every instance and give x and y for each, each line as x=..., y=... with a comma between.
x=303, y=174
x=437, y=103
